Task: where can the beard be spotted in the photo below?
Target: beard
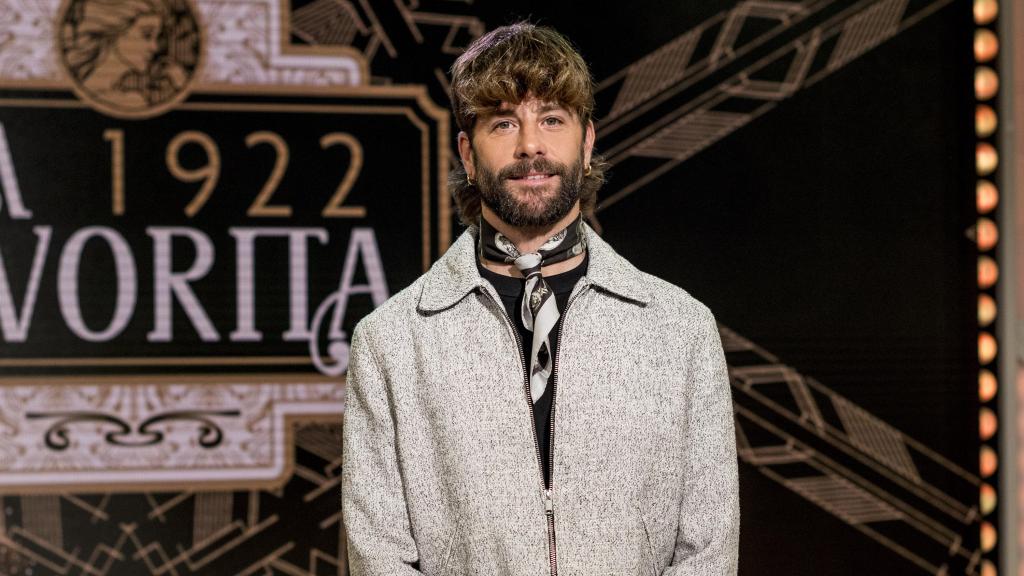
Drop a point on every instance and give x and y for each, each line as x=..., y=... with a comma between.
x=496, y=193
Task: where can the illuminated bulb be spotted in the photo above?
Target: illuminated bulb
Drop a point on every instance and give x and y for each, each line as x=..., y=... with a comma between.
x=988, y=536
x=987, y=348
x=988, y=234
x=985, y=11
x=988, y=196
x=986, y=83
x=987, y=385
x=988, y=272
x=987, y=499
x=987, y=423
x=988, y=461
x=986, y=45
x=985, y=121
x=988, y=568
x=986, y=309
x=985, y=158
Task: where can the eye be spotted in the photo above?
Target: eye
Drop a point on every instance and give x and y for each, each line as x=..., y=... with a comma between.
x=502, y=125
x=553, y=121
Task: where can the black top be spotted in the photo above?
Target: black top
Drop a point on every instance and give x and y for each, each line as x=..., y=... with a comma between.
x=511, y=291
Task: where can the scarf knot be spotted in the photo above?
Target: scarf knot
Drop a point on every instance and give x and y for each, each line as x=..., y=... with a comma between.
x=538, y=309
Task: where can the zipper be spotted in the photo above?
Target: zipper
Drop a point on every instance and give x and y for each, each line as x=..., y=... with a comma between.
x=549, y=505
x=546, y=488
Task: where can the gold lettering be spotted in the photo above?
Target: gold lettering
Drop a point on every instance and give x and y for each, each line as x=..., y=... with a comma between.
x=260, y=206
x=208, y=173
x=116, y=138
x=334, y=208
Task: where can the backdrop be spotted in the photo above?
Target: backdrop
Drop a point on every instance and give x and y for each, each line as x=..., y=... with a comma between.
x=200, y=198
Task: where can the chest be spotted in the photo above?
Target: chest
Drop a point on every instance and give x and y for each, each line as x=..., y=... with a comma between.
x=620, y=385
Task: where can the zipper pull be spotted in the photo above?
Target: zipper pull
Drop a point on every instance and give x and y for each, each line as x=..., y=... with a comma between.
x=549, y=506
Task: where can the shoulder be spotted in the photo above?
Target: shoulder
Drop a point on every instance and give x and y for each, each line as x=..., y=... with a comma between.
x=675, y=303
x=392, y=316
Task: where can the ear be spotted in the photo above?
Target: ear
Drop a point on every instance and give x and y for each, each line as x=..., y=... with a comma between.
x=588, y=142
x=466, y=153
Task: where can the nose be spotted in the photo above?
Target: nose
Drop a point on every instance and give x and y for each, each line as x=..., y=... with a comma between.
x=530, y=142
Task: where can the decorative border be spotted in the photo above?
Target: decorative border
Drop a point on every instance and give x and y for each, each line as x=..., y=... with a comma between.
x=246, y=43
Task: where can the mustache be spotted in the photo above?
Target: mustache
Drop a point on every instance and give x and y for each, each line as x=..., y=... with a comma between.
x=539, y=164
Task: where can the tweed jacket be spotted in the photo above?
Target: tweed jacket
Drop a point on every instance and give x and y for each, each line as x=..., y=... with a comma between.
x=441, y=472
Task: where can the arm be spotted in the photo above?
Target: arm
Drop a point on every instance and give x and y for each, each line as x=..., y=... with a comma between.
x=709, y=525
x=374, y=512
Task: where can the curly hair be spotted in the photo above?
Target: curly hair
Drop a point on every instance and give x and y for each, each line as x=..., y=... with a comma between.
x=506, y=65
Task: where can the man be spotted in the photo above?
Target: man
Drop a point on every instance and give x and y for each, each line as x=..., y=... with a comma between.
x=534, y=404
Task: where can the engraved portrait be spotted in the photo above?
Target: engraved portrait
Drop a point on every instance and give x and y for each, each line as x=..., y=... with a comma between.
x=130, y=58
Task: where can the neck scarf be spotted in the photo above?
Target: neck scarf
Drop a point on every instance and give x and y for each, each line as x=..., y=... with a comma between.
x=538, y=308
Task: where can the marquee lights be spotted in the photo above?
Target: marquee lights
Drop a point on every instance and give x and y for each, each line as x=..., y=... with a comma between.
x=986, y=235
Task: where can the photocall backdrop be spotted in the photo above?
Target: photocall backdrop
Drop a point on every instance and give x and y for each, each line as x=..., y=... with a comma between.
x=200, y=198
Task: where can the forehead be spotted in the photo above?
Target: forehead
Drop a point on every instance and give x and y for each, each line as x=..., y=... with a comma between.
x=530, y=104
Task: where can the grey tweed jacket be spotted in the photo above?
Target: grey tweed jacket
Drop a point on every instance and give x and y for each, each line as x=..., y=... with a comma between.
x=441, y=472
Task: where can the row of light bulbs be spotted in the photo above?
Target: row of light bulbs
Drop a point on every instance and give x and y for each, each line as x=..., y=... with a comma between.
x=986, y=234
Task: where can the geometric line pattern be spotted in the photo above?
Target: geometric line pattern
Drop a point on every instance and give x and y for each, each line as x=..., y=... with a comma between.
x=875, y=437
x=778, y=89
x=796, y=389
x=320, y=439
x=840, y=497
x=767, y=455
x=732, y=80
x=328, y=22
x=727, y=42
x=212, y=514
x=690, y=134
x=833, y=453
x=292, y=530
x=656, y=71
x=42, y=518
x=867, y=30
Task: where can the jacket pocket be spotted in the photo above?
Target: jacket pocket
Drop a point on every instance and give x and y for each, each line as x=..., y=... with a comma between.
x=648, y=547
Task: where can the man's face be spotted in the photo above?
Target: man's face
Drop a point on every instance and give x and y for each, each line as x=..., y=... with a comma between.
x=527, y=160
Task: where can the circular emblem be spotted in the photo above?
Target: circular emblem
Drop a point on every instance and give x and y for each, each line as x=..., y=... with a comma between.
x=130, y=58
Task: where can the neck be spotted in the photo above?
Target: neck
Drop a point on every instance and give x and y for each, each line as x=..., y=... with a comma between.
x=530, y=239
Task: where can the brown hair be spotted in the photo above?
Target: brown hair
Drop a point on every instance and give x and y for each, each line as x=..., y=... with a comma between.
x=506, y=65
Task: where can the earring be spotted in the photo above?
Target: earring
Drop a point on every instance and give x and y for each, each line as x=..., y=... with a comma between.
x=470, y=180
x=586, y=172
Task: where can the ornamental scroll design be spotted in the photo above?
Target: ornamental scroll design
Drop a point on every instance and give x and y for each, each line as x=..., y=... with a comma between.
x=58, y=436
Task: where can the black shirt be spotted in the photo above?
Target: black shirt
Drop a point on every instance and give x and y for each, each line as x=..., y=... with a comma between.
x=511, y=291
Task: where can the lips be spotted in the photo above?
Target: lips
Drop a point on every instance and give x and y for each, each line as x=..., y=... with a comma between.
x=532, y=177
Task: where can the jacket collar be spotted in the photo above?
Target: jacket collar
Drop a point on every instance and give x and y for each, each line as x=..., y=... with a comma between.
x=455, y=274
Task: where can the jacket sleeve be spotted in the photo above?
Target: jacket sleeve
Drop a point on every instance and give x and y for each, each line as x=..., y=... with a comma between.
x=707, y=543
x=376, y=520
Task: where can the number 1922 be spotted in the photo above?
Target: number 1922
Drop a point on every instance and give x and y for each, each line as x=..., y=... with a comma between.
x=209, y=172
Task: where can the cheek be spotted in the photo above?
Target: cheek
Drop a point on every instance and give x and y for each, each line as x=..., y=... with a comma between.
x=488, y=160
